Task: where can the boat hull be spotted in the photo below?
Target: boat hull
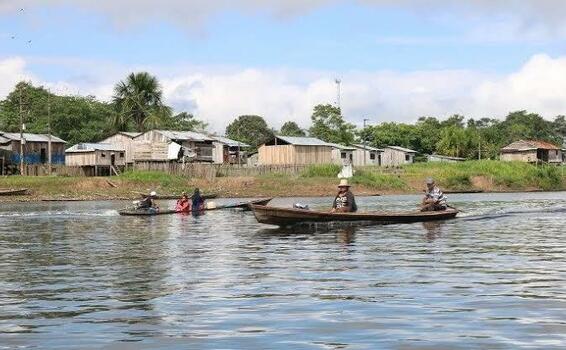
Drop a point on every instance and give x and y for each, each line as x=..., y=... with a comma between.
x=20, y=192
x=239, y=205
x=290, y=217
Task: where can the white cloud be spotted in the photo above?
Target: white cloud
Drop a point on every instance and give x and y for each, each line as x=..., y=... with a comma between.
x=219, y=95
x=12, y=70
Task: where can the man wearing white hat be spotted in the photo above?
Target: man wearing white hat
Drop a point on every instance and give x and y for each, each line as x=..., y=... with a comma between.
x=434, y=199
x=148, y=202
x=345, y=202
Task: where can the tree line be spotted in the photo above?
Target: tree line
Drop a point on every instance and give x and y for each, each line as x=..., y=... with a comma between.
x=137, y=105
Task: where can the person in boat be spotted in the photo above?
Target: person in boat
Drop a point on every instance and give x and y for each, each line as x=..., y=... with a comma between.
x=148, y=203
x=198, y=201
x=183, y=204
x=434, y=199
x=345, y=202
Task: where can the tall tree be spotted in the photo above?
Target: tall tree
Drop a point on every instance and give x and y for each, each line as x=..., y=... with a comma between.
x=186, y=122
x=291, y=129
x=250, y=129
x=139, y=102
x=329, y=125
x=73, y=118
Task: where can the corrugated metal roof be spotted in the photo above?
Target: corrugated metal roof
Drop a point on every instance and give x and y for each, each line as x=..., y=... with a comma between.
x=4, y=140
x=369, y=148
x=229, y=142
x=184, y=135
x=342, y=147
x=130, y=134
x=402, y=149
x=523, y=145
x=32, y=137
x=303, y=141
x=91, y=147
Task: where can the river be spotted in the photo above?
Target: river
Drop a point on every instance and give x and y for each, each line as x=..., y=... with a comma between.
x=78, y=276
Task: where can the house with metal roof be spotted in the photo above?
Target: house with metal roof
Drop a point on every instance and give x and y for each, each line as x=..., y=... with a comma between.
x=168, y=145
x=96, y=159
x=395, y=156
x=288, y=150
x=124, y=140
x=365, y=155
x=342, y=154
x=532, y=151
x=228, y=151
x=35, y=149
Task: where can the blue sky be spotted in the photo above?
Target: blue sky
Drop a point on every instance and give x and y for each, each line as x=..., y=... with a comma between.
x=85, y=47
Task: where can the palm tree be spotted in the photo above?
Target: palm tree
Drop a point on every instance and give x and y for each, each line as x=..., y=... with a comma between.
x=139, y=100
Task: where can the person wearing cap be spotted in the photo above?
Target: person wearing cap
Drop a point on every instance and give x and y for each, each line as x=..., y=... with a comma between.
x=149, y=202
x=434, y=199
x=345, y=202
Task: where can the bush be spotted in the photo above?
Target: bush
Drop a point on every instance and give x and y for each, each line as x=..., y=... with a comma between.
x=378, y=181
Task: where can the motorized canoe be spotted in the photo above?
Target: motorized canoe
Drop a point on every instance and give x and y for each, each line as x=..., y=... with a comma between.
x=289, y=217
x=172, y=196
x=18, y=192
x=238, y=205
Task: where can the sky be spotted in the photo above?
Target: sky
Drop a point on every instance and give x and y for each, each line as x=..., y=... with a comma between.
x=397, y=60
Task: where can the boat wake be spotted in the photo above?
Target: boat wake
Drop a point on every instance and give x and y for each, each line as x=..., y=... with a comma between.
x=510, y=213
x=62, y=214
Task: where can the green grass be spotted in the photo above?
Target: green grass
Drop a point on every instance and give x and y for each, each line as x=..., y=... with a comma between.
x=153, y=177
x=322, y=170
x=511, y=175
x=378, y=181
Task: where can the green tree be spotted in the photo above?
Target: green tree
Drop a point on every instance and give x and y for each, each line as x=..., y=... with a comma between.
x=291, y=129
x=185, y=122
x=73, y=118
x=139, y=102
x=394, y=134
x=329, y=125
x=250, y=129
x=426, y=135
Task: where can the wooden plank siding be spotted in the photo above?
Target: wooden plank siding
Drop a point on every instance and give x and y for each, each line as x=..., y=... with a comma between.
x=294, y=155
x=124, y=142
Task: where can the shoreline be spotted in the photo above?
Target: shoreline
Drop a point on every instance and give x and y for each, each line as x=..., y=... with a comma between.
x=97, y=198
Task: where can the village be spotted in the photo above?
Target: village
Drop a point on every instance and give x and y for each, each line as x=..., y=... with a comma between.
x=166, y=151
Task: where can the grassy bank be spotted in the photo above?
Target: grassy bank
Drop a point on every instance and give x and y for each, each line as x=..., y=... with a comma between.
x=314, y=181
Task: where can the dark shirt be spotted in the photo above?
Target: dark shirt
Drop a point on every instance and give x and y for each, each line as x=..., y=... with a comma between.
x=198, y=202
x=146, y=203
x=345, y=200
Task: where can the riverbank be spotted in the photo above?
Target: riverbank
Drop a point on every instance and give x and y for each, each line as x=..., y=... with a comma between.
x=473, y=176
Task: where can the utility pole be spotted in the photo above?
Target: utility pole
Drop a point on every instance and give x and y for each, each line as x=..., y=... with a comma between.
x=22, y=141
x=366, y=152
x=338, y=97
x=49, y=131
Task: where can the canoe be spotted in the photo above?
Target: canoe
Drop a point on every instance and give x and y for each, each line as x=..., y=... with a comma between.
x=177, y=196
x=19, y=192
x=289, y=217
x=238, y=205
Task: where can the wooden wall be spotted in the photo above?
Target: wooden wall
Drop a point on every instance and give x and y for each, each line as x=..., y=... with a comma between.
x=525, y=156
x=363, y=157
x=32, y=152
x=294, y=155
x=95, y=158
x=148, y=150
x=393, y=157
x=122, y=141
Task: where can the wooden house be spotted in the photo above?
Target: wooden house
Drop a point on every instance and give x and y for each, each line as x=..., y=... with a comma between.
x=287, y=150
x=532, y=152
x=123, y=140
x=439, y=158
x=227, y=151
x=96, y=159
x=366, y=155
x=35, y=147
x=395, y=156
x=342, y=155
x=166, y=145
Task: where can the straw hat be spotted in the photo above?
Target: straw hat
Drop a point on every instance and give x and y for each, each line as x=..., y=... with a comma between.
x=153, y=194
x=430, y=181
x=343, y=183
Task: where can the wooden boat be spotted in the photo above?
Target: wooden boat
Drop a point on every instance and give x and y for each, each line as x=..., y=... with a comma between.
x=19, y=192
x=177, y=196
x=289, y=217
x=238, y=205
